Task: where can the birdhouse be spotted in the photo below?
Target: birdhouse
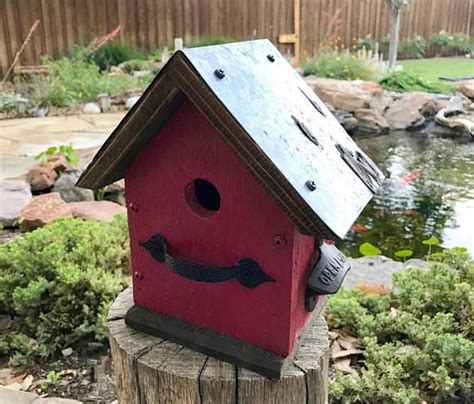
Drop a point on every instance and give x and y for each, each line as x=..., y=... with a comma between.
x=235, y=174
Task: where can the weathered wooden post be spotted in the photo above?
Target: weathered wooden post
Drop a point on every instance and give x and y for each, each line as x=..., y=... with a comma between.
x=235, y=174
x=149, y=369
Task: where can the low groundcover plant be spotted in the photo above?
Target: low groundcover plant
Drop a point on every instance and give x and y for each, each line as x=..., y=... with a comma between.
x=417, y=342
x=57, y=284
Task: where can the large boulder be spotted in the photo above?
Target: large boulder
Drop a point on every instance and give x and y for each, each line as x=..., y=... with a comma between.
x=467, y=88
x=103, y=211
x=410, y=111
x=41, y=178
x=377, y=270
x=343, y=95
x=14, y=196
x=66, y=186
x=42, y=210
x=115, y=192
x=370, y=121
x=380, y=101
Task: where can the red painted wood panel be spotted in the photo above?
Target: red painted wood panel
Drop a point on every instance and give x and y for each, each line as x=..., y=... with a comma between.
x=188, y=147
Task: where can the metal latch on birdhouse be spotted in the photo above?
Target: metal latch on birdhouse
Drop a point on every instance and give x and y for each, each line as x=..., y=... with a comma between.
x=327, y=274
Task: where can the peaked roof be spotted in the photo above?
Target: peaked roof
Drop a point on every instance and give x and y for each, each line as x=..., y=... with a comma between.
x=273, y=121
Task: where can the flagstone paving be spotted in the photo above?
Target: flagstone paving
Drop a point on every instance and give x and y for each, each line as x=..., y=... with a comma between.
x=22, y=139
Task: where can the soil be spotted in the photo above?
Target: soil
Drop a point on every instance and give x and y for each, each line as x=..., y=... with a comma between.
x=87, y=379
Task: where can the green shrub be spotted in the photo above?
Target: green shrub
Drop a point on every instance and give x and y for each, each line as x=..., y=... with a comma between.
x=207, y=41
x=447, y=44
x=156, y=55
x=413, y=48
x=418, y=342
x=7, y=101
x=113, y=53
x=72, y=80
x=57, y=283
x=405, y=81
x=340, y=65
x=137, y=64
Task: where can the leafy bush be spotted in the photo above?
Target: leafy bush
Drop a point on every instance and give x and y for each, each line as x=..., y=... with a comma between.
x=156, y=55
x=7, y=101
x=340, y=65
x=65, y=150
x=418, y=342
x=413, y=48
x=446, y=44
x=405, y=81
x=137, y=64
x=113, y=53
x=57, y=283
x=207, y=41
x=73, y=80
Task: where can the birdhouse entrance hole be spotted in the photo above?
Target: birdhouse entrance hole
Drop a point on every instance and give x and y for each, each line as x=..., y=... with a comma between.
x=203, y=197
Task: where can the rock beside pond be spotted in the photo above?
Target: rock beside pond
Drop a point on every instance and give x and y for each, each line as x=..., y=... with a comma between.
x=377, y=270
x=103, y=211
x=370, y=121
x=14, y=196
x=42, y=210
x=131, y=101
x=347, y=120
x=66, y=186
x=342, y=95
x=115, y=192
x=410, y=111
x=41, y=178
x=91, y=108
x=467, y=88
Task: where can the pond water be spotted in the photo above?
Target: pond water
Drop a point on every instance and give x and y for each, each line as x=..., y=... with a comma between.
x=428, y=192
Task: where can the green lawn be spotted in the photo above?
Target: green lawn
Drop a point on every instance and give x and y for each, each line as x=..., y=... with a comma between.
x=431, y=69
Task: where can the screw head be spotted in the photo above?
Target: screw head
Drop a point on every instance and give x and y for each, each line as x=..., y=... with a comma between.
x=219, y=73
x=279, y=240
x=271, y=58
x=134, y=207
x=138, y=275
x=311, y=185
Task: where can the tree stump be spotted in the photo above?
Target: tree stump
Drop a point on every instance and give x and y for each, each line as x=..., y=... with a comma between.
x=151, y=370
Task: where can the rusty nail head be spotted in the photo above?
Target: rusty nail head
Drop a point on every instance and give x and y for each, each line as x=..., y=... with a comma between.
x=271, y=58
x=134, y=207
x=279, y=240
x=311, y=185
x=219, y=73
x=138, y=275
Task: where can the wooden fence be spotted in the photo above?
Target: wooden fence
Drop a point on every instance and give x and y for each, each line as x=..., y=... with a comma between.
x=154, y=23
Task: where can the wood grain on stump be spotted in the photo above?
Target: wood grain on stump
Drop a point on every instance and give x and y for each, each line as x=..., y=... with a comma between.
x=152, y=370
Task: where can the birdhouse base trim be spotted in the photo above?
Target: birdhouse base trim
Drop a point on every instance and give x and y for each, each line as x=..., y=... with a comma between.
x=209, y=342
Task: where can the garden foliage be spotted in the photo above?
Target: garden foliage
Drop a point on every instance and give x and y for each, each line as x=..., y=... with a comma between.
x=418, y=342
x=57, y=283
x=405, y=81
x=342, y=65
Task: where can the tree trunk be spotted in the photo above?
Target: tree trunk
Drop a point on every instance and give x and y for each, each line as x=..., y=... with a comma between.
x=152, y=370
x=394, y=36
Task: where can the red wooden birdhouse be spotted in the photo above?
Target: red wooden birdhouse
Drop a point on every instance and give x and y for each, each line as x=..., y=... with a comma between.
x=235, y=173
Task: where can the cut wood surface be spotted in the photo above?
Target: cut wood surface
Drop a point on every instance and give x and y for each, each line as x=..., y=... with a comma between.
x=152, y=370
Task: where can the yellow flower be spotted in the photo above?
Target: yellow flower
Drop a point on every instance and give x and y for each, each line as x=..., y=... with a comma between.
x=338, y=58
x=353, y=57
x=349, y=78
x=357, y=78
x=331, y=74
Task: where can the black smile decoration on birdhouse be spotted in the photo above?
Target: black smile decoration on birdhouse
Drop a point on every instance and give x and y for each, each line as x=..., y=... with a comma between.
x=246, y=270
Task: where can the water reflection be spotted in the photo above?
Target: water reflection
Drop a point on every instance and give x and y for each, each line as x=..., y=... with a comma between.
x=429, y=191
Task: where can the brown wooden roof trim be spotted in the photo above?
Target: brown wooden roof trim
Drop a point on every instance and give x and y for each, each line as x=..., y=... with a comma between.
x=175, y=82
x=135, y=130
